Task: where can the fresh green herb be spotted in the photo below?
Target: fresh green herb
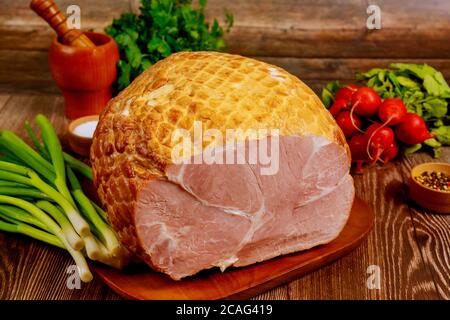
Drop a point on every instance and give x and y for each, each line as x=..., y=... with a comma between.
x=162, y=28
x=422, y=88
x=424, y=91
x=443, y=134
x=329, y=92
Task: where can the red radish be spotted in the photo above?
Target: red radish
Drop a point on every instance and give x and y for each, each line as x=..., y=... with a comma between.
x=346, y=92
x=390, y=153
x=379, y=138
x=412, y=130
x=338, y=106
x=348, y=126
x=392, y=111
x=365, y=102
x=358, y=149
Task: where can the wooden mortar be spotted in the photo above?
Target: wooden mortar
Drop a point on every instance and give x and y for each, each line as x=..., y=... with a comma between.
x=85, y=76
x=83, y=65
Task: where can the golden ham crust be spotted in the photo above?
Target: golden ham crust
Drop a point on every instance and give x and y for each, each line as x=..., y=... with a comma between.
x=133, y=141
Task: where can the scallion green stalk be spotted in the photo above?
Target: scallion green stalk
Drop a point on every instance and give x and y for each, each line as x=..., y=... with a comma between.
x=31, y=232
x=38, y=145
x=72, y=237
x=21, y=215
x=11, y=159
x=20, y=192
x=27, y=175
x=53, y=146
x=5, y=155
x=16, y=146
x=85, y=274
x=15, y=168
x=79, y=224
x=100, y=211
x=105, y=233
x=78, y=166
x=14, y=177
x=4, y=183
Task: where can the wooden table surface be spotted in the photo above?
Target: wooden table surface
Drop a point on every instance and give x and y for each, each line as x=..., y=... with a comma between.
x=315, y=40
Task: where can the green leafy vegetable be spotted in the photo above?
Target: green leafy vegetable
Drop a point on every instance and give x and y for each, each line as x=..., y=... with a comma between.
x=412, y=149
x=436, y=145
x=422, y=88
x=40, y=196
x=443, y=134
x=162, y=28
x=329, y=92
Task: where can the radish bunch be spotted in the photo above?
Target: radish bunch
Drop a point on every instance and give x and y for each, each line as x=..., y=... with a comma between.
x=374, y=128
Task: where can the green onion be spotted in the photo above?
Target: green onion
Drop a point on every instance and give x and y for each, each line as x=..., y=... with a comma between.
x=63, y=215
x=4, y=183
x=83, y=268
x=21, y=215
x=72, y=237
x=54, y=148
x=38, y=145
x=23, y=192
x=11, y=159
x=105, y=233
x=100, y=211
x=92, y=247
x=25, y=153
x=31, y=232
x=15, y=168
x=13, y=177
x=78, y=166
x=75, y=218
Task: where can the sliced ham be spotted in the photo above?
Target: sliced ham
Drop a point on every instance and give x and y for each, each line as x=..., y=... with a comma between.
x=220, y=215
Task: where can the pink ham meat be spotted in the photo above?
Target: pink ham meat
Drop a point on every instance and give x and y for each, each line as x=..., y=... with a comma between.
x=222, y=215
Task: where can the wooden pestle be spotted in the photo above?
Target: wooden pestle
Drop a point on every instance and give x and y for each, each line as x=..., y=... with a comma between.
x=50, y=12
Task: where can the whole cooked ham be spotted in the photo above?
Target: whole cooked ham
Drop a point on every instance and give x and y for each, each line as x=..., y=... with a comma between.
x=215, y=160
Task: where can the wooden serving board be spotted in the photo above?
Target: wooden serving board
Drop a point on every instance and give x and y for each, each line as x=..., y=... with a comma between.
x=140, y=282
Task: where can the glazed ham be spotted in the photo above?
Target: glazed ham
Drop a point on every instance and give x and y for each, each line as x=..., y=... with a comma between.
x=184, y=217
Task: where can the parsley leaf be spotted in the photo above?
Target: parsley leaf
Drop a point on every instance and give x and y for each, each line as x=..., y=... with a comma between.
x=162, y=28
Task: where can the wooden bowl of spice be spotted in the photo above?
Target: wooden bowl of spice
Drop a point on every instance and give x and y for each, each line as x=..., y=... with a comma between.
x=429, y=186
x=81, y=132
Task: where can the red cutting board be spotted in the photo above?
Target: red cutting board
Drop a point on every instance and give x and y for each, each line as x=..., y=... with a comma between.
x=140, y=282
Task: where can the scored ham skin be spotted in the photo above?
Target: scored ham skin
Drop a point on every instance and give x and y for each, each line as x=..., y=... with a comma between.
x=181, y=233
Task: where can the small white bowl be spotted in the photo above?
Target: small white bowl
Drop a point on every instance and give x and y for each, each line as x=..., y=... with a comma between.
x=78, y=143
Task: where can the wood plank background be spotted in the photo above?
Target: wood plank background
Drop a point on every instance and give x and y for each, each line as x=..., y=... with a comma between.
x=317, y=40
